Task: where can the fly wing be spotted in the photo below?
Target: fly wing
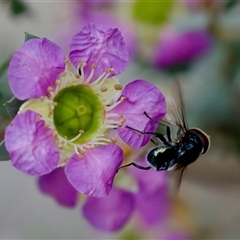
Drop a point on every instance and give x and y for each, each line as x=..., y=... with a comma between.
x=176, y=110
x=177, y=178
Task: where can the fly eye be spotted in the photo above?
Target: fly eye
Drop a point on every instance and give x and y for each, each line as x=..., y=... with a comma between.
x=205, y=139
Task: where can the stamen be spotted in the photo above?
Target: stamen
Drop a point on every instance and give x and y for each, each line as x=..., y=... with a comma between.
x=76, y=150
x=60, y=145
x=83, y=151
x=111, y=115
x=113, y=139
x=108, y=108
x=55, y=134
x=118, y=87
x=103, y=89
x=57, y=82
x=42, y=98
x=50, y=89
x=38, y=118
x=94, y=66
x=110, y=70
x=102, y=77
x=80, y=67
x=75, y=138
x=91, y=74
x=67, y=61
x=119, y=124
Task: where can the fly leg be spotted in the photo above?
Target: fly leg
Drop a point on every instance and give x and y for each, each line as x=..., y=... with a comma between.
x=157, y=135
x=168, y=131
x=135, y=165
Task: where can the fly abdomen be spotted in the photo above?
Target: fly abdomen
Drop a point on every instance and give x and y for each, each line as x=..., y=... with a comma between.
x=163, y=157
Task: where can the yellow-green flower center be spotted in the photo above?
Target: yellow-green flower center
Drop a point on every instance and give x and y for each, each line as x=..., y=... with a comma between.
x=78, y=112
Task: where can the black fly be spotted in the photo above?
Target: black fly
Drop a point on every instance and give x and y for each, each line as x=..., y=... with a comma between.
x=175, y=154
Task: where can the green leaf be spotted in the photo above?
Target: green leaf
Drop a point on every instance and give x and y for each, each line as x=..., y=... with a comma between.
x=230, y=4
x=13, y=106
x=18, y=7
x=152, y=12
x=29, y=36
x=4, y=66
x=4, y=156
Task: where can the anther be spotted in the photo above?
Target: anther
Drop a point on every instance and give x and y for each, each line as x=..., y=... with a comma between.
x=103, y=89
x=55, y=134
x=122, y=120
x=55, y=104
x=50, y=89
x=113, y=139
x=63, y=74
x=109, y=70
x=82, y=64
x=77, y=76
x=92, y=146
x=60, y=146
x=58, y=82
x=94, y=66
x=119, y=124
x=123, y=99
x=41, y=98
x=106, y=136
x=118, y=87
x=46, y=124
x=38, y=118
x=67, y=61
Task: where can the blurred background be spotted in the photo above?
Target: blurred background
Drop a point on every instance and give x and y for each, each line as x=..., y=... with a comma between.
x=196, y=42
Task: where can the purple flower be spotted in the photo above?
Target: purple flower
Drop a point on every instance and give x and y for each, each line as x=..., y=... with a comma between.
x=71, y=106
x=152, y=200
x=56, y=185
x=150, y=203
x=84, y=12
x=110, y=213
x=178, y=49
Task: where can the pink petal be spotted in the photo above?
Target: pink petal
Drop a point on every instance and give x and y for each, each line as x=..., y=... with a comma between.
x=56, y=185
x=31, y=145
x=152, y=201
x=93, y=174
x=109, y=19
x=35, y=67
x=177, y=49
x=140, y=96
x=99, y=45
x=110, y=213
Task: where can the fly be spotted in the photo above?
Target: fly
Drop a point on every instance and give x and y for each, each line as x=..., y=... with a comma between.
x=175, y=154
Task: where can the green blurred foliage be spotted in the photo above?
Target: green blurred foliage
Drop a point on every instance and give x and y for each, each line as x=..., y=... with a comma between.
x=4, y=156
x=229, y=4
x=152, y=12
x=18, y=7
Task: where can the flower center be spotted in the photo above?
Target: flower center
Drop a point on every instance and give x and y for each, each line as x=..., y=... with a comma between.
x=78, y=110
x=78, y=113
